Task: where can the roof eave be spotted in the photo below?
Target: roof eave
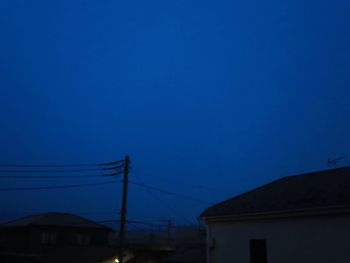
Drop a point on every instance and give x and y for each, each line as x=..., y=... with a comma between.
x=334, y=210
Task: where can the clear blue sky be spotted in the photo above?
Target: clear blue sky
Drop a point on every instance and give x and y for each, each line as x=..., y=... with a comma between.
x=209, y=98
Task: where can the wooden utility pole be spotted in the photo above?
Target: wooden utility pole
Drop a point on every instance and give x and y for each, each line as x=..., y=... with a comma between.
x=169, y=226
x=123, y=212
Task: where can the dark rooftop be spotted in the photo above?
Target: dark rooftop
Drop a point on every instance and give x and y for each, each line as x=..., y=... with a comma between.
x=54, y=219
x=323, y=189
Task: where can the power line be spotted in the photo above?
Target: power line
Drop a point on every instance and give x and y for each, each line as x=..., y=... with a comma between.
x=60, y=165
x=47, y=165
x=59, y=170
x=197, y=186
x=135, y=222
x=91, y=213
x=169, y=193
x=55, y=176
x=130, y=221
x=46, y=176
x=166, y=206
x=169, y=207
x=57, y=186
x=135, y=226
x=13, y=213
x=113, y=163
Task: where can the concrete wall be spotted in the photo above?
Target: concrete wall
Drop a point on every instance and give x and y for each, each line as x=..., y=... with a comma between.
x=321, y=239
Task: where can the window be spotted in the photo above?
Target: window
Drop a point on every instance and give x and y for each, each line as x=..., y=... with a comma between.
x=258, y=251
x=83, y=239
x=48, y=238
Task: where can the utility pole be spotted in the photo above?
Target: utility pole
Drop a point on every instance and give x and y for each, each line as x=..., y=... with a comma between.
x=169, y=226
x=123, y=211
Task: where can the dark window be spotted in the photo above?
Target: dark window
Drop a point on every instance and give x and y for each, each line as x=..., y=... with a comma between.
x=83, y=239
x=48, y=238
x=258, y=251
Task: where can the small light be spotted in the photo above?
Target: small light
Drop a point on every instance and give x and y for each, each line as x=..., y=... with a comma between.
x=116, y=260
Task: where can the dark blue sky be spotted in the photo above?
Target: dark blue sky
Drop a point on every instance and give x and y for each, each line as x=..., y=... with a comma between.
x=209, y=98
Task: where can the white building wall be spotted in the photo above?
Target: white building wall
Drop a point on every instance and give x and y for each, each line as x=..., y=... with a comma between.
x=322, y=239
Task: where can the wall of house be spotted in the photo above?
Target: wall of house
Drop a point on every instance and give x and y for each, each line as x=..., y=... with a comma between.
x=29, y=239
x=18, y=239
x=25, y=244
x=69, y=235
x=321, y=239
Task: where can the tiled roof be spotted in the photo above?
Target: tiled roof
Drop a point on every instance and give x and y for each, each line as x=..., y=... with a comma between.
x=54, y=219
x=323, y=189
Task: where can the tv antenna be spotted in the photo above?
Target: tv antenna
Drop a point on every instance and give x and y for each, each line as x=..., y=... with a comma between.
x=334, y=162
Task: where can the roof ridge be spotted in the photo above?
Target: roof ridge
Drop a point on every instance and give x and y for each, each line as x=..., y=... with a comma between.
x=280, y=179
x=55, y=218
x=21, y=218
x=245, y=193
x=288, y=192
x=319, y=171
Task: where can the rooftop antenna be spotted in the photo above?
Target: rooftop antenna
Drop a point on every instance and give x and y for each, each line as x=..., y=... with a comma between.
x=333, y=162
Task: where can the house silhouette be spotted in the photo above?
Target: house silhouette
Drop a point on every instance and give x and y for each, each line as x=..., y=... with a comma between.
x=301, y=218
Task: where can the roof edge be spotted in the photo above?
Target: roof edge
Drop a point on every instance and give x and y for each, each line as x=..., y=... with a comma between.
x=39, y=216
x=326, y=210
x=267, y=184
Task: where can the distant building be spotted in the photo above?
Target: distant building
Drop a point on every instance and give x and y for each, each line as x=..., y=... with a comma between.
x=194, y=253
x=178, y=244
x=34, y=238
x=168, y=238
x=302, y=218
x=61, y=237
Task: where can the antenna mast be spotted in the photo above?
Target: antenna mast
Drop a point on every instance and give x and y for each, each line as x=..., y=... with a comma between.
x=334, y=162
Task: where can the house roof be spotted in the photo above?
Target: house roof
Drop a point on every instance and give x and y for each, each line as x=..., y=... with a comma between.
x=317, y=190
x=54, y=219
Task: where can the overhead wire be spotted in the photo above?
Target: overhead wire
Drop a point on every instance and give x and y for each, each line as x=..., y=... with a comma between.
x=166, y=206
x=4, y=213
x=135, y=226
x=59, y=170
x=135, y=222
x=192, y=185
x=55, y=176
x=57, y=186
x=15, y=168
x=60, y=165
x=56, y=169
x=169, y=193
